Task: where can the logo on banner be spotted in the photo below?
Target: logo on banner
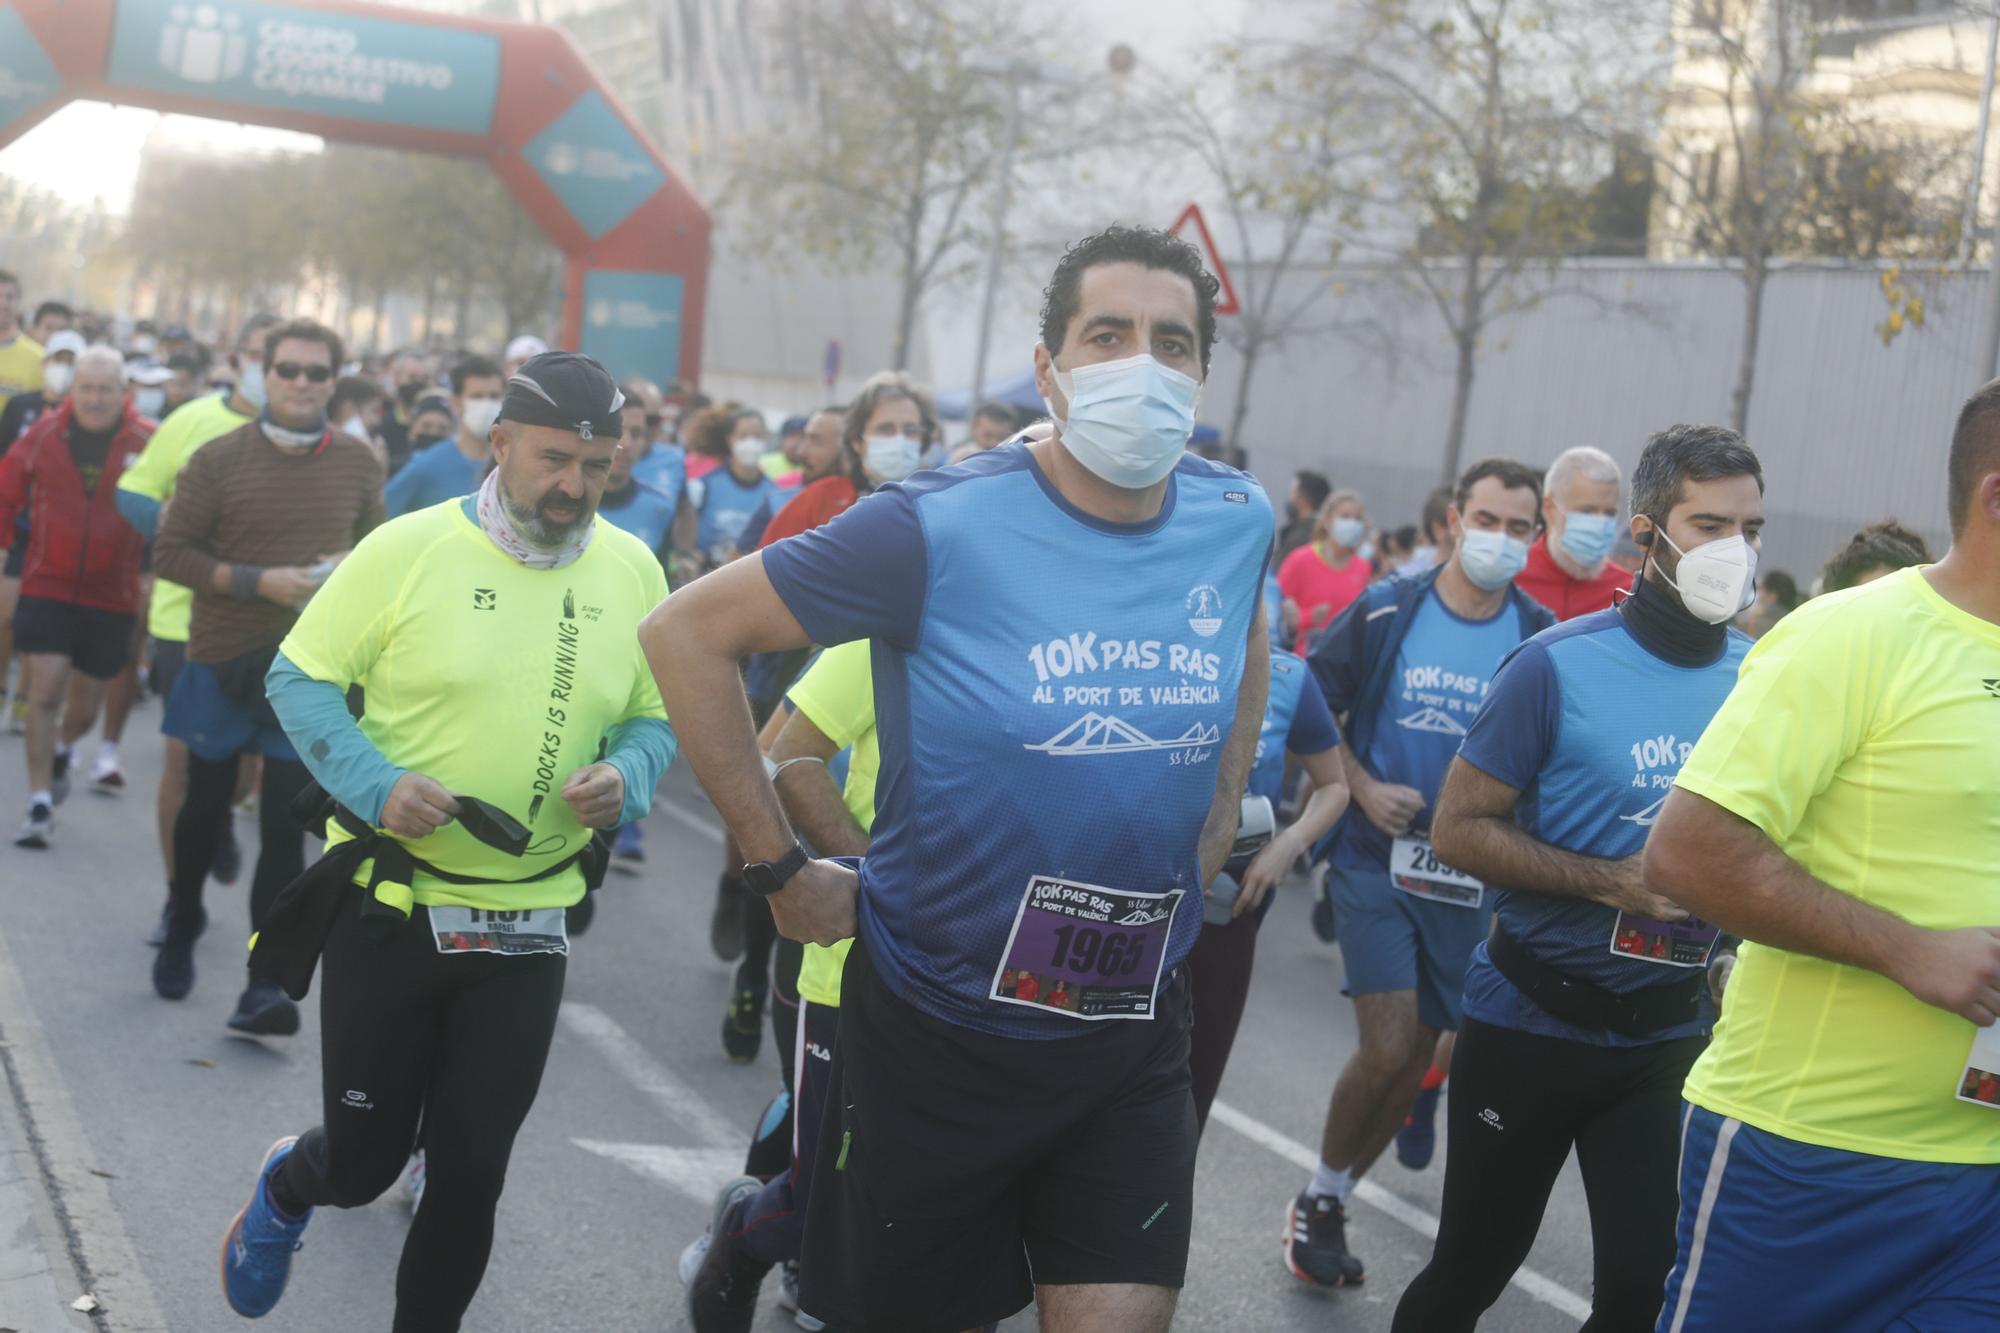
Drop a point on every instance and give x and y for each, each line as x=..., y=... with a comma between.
x=13, y=88
x=203, y=44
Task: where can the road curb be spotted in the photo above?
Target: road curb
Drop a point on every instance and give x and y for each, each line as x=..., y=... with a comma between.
x=60, y=1233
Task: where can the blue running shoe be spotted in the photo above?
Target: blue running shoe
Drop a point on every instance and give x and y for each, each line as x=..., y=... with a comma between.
x=258, y=1247
x=1417, y=1140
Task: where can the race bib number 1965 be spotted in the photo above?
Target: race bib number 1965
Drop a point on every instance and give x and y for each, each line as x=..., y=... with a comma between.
x=1085, y=951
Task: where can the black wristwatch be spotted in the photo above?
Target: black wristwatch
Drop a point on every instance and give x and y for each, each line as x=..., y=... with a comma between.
x=765, y=878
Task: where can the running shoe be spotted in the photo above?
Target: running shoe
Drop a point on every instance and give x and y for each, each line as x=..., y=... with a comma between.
x=107, y=778
x=413, y=1179
x=628, y=851
x=39, y=829
x=722, y=1290
x=743, y=1025
x=59, y=777
x=788, y=1299
x=257, y=1249
x=264, y=1010
x=725, y=923
x=1417, y=1140
x=228, y=862
x=1322, y=902
x=1316, y=1242
x=173, y=967
x=158, y=934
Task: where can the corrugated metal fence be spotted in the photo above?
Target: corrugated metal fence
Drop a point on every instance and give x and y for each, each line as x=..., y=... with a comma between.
x=1849, y=430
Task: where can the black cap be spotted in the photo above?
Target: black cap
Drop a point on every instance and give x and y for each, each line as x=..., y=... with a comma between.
x=568, y=391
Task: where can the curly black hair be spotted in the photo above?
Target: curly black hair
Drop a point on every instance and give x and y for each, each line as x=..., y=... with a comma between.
x=1887, y=545
x=1127, y=245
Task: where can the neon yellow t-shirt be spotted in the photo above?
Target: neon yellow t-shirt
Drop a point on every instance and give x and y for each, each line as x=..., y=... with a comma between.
x=495, y=679
x=1860, y=738
x=837, y=693
x=20, y=367
x=186, y=429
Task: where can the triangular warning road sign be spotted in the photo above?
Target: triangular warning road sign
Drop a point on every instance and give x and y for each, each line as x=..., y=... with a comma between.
x=1228, y=304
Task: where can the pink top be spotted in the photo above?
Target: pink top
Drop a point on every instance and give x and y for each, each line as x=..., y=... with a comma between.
x=1321, y=591
x=700, y=465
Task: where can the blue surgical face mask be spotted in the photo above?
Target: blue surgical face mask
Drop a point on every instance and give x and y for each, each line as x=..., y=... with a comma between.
x=1348, y=532
x=250, y=384
x=1129, y=421
x=1588, y=538
x=1492, y=559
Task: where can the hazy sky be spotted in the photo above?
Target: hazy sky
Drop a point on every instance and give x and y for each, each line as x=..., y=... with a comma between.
x=90, y=150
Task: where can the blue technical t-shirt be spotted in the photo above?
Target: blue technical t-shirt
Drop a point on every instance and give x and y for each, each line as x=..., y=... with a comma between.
x=1591, y=729
x=434, y=474
x=665, y=469
x=1052, y=693
x=726, y=506
x=644, y=511
x=1443, y=669
x=1296, y=721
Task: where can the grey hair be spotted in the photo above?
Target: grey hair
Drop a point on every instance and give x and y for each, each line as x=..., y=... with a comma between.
x=102, y=355
x=1582, y=461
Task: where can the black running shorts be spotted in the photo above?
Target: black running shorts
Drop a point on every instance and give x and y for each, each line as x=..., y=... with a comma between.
x=97, y=643
x=957, y=1169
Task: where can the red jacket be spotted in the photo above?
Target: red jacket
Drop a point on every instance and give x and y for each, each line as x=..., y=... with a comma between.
x=79, y=549
x=1546, y=582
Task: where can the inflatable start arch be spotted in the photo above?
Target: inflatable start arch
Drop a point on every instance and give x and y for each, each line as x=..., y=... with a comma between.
x=519, y=95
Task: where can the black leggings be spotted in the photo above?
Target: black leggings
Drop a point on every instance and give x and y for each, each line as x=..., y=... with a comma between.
x=458, y=1039
x=1518, y=1104
x=204, y=819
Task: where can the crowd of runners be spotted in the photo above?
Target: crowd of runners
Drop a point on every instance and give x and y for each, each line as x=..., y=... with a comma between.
x=1630, y=848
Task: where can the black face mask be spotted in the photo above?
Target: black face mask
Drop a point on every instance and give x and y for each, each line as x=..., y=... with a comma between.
x=425, y=441
x=492, y=826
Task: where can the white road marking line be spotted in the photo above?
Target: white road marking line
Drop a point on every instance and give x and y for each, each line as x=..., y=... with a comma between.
x=681, y=1103
x=674, y=810
x=1544, y=1289
x=696, y=1173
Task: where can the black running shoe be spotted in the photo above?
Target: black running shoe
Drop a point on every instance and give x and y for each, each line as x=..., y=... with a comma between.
x=158, y=934
x=725, y=924
x=173, y=967
x=264, y=1011
x=743, y=1025
x=59, y=777
x=722, y=1293
x=1316, y=1242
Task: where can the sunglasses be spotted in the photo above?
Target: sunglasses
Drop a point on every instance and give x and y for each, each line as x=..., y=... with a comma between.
x=291, y=370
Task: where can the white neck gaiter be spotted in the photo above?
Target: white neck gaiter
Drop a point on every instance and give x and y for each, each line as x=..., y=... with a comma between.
x=501, y=530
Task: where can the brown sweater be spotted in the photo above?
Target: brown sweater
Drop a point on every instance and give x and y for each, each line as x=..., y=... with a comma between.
x=242, y=500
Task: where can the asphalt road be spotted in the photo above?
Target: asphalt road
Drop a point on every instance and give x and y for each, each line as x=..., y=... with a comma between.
x=640, y=1114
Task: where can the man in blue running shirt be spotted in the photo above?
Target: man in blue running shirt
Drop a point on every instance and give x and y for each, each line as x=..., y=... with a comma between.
x=1405, y=670
x=1070, y=669
x=1582, y=1009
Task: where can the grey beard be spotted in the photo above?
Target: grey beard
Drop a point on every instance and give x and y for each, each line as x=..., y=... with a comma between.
x=531, y=525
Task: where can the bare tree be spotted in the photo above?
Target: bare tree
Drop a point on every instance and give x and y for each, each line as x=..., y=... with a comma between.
x=1482, y=112
x=899, y=145
x=1275, y=133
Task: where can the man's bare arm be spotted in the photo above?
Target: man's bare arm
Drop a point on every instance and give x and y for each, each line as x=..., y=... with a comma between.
x=1474, y=830
x=693, y=642
x=1724, y=870
x=809, y=793
x=1232, y=772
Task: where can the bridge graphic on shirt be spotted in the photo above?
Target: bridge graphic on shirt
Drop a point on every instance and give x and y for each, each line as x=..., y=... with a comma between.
x=1433, y=720
x=1095, y=733
x=1648, y=817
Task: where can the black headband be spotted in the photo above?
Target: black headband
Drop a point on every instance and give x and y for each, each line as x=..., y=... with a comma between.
x=567, y=391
